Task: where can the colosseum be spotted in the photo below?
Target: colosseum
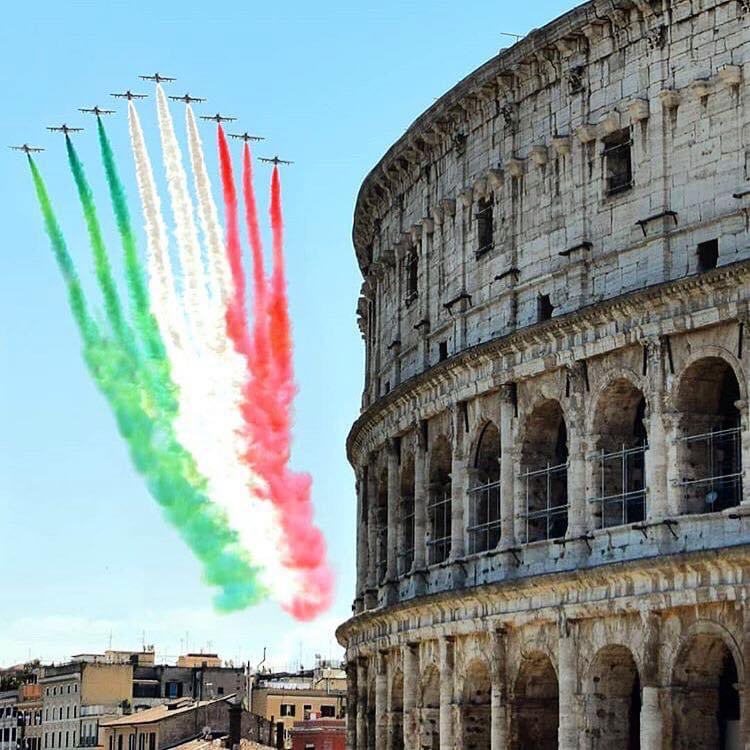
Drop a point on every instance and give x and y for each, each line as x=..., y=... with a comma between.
x=553, y=520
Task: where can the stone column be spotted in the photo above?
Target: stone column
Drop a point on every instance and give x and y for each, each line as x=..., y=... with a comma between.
x=372, y=540
x=742, y=407
x=381, y=697
x=675, y=505
x=458, y=485
x=498, y=717
x=411, y=687
x=656, y=455
x=519, y=494
x=420, y=498
x=576, y=453
x=362, y=511
x=652, y=723
x=507, y=467
x=446, y=693
x=393, y=510
x=362, y=704
x=352, y=708
x=567, y=677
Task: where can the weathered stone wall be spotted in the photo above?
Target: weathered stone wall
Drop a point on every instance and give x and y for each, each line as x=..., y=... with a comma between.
x=552, y=499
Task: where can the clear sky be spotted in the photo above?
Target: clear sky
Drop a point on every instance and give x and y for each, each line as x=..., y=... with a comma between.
x=86, y=555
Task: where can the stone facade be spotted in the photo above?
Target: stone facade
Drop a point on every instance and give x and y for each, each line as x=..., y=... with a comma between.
x=553, y=538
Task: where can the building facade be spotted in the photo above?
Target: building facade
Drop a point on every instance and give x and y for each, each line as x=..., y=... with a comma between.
x=30, y=712
x=319, y=734
x=553, y=512
x=8, y=719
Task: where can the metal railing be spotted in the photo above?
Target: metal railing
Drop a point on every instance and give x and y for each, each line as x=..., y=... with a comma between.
x=484, y=517
x=546, y=502
x=439, y=543
x=622, y=488
x=717, y=456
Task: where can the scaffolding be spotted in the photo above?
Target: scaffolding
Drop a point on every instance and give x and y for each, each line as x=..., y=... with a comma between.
x=716, y=457
x=484, y=517
x=546, y=502
x=439, y=543
x=622, y=489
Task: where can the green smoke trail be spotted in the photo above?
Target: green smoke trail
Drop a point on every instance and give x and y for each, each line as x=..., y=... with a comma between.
x=145, y=322
x=169, y=470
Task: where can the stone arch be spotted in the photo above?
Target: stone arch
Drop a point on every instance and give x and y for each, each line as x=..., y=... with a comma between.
x=396, y=711
x=612, y=694
x=544, y=457
x=475, y=706
x=484, y=494
x=710, y=451
x=535, y=704
x=619, y=431
x=439, y=505
x=406, y=516
x=710, y=351
x=706, y=675
x=429, y=708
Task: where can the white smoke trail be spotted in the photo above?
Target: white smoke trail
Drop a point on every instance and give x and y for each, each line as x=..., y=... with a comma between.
x=208, y=377
x=220, y=276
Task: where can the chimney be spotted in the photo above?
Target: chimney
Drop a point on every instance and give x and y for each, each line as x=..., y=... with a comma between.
x=235, y=724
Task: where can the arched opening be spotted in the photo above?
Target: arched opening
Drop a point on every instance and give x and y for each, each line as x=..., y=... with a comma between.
x=535, y=705
x=545, y=463
x=613, y=700
x=406, y=553
x=439, y=506
x=381, y=524
x=711, y=460
x=396, y=712
x=705, y=696
x=621, y=446
x=429, y=710
x=475, y=707
x=371, y=717
x=484, y=495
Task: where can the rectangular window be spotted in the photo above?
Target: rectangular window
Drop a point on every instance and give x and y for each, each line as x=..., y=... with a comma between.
x=708, y=255
x=152, y=741
x=328, y=712
x=618, y=162
x=306, y=711
x=485, y=226
x=411, y=276
x=288, y=709
x=544, y=308
x=442, y=351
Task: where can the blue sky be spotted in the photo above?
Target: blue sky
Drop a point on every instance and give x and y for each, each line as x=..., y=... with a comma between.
x=86, y=554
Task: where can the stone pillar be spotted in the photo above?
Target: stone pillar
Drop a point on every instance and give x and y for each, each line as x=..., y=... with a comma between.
x=362, y=704
x=446, y=693
x=568, y=679
x=393, y=510
x=594, y=518
x=576, y=453
x=507, y=468
x=742, y=407
x=381, y=697
x=656, y=455
x=519, y=494
x=458, y=484
x=471, y=480
x=411, y=688
x=362, y=511
x=498, y=717
x=352, y=705
x=652, y=726
x=372, y=540
x=675, y=505
x=420, y=498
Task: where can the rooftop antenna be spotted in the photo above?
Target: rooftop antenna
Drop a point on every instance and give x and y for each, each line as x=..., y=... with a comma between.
x=517, y=37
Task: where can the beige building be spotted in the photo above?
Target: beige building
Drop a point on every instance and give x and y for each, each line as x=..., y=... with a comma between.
x=286, y=698
x=30, y=712
x=553, y=510
x=199, y=660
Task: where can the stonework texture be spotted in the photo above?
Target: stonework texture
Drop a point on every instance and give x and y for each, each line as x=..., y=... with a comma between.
x=553, y=512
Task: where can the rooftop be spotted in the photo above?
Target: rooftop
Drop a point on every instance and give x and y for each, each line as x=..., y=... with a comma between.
x=157, y=713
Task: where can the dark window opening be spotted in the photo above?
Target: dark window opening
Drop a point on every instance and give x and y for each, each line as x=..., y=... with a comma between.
x=328, y=712
x=485, y=226
x=708, y=255
x=545, y=308
x=618, y=162
x=442, y=351
x=411, y=269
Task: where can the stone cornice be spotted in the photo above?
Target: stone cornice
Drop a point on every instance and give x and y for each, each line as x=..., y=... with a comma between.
x=626, y=306
x=503, y=77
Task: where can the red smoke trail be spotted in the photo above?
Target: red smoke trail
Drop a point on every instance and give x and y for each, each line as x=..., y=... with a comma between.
x=270, y=388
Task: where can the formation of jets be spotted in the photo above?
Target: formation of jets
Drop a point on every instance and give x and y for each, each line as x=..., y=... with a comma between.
x=187, y=99
x=247, y=137
x=130, y=95
x=98, y=111
x=64, y=128
x=218, y=118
